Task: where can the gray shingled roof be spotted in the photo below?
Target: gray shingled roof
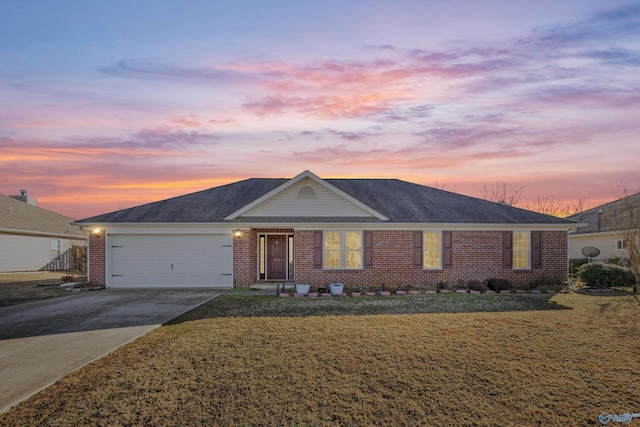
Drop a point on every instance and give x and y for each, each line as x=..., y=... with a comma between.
x=400, y=201
x=607, y=214
x=21, y=216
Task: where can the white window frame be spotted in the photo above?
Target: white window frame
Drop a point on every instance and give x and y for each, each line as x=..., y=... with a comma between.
x=621, y=245
x=424, y=249
x=515, y=250
x=56, y=249
x=343, y=250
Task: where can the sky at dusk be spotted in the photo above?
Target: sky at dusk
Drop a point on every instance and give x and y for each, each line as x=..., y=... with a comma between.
x=106, y=105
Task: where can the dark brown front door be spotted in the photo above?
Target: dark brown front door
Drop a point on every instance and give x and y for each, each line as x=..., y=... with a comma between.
x=276, y=257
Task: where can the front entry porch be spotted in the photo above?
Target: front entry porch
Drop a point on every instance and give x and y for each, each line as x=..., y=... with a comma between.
x=275, y=256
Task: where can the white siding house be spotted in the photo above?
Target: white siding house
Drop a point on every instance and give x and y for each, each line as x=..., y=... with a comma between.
x=32, y=238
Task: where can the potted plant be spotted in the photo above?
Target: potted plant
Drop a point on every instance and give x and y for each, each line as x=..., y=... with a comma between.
x=302, y=288
x=336, y=288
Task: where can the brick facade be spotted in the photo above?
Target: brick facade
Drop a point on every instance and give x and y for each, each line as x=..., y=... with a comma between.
x=97, y=260
x=475, y=255
x=245, y=258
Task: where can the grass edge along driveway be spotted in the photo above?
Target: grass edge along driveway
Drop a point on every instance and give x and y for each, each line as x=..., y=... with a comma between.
x=524, y=368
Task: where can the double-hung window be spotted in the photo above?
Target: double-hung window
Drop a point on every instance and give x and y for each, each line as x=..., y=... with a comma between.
x=521, y=250
x=621, y=245
x=432, y=250
x=342, y=250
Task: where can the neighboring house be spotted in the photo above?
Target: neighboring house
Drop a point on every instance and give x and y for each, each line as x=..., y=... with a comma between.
x=601, y=228
x=32, y=238
x=318, y=231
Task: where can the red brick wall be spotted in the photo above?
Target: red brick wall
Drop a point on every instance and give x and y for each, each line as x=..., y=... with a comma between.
x=97, y=267
x=245, y=258
x=475, y=255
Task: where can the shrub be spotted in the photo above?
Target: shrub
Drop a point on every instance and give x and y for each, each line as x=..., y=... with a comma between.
x=476, y=285
x=618, y=260
x=576, y=263
x=606, y=275
x=499, y=284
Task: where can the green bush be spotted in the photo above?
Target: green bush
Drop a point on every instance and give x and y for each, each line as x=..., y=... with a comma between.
x=476, y=285
x=499, y=284
x=606, y=275
x=576, y=263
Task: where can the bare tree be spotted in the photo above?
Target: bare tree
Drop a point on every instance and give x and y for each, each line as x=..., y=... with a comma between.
x=502, y=192
x=627, y=226
x=549, y=205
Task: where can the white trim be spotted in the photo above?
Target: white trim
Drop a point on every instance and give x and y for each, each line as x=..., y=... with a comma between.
x=316, y=179
x=43, y=234
x=217, y=227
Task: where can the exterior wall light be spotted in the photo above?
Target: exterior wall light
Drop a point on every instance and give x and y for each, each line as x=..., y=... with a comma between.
x=96, y=231
x=237, y=233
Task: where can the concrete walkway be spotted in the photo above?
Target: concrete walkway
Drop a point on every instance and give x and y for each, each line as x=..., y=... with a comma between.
x=42, y=341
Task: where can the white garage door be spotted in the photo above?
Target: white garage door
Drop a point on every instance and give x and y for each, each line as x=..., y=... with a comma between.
x=171, y=261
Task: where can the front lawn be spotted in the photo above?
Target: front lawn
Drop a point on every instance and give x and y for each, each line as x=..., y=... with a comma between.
x=531, y=366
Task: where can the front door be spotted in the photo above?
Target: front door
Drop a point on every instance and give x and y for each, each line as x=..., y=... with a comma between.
x=276, y=257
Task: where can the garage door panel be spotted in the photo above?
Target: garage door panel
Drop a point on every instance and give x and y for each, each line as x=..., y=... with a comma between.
x=171, y=261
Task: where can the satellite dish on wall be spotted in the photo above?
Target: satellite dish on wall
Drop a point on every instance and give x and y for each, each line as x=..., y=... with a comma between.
x=590, y=251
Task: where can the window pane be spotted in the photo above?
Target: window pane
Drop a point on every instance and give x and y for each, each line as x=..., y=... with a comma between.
x=432, y=250
x=520, y=249
x=332, y=240
x=332, y=259
x=353, y=249
x=353, y=240
x=332, y=253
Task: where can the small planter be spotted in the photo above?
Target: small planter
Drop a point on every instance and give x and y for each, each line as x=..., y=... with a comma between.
x=461, y=291
x=342, y=295
x=414, y=292
x=474, y=292
x=302, y=288
x=355, y=294
x=283, y=295
x=385, y=294
x=298, y=295
x=370, y=294
x=401, y=292
x=519, y=291
x=336, y=288
x=313, y=295
x=431, y=292
x=551, y=291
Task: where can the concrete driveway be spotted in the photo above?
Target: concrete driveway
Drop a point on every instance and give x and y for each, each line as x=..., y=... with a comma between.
x=42, y=341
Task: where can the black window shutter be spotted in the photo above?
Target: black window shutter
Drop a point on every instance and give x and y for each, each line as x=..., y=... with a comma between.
x=417, y=249
x=507, y=249
x=536, y=249
x=368, y=248
x=446, y=249
x=317, y=249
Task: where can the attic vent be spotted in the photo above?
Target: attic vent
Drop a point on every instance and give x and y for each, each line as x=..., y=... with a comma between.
x=307, y=192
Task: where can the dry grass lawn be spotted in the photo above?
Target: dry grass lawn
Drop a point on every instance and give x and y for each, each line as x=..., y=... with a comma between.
x=18, y=288
x=514, y=368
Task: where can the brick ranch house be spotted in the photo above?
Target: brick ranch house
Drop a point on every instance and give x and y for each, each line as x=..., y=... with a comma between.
x=361, y=232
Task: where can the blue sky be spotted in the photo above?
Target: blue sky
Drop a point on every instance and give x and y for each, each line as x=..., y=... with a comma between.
x=109, y=104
